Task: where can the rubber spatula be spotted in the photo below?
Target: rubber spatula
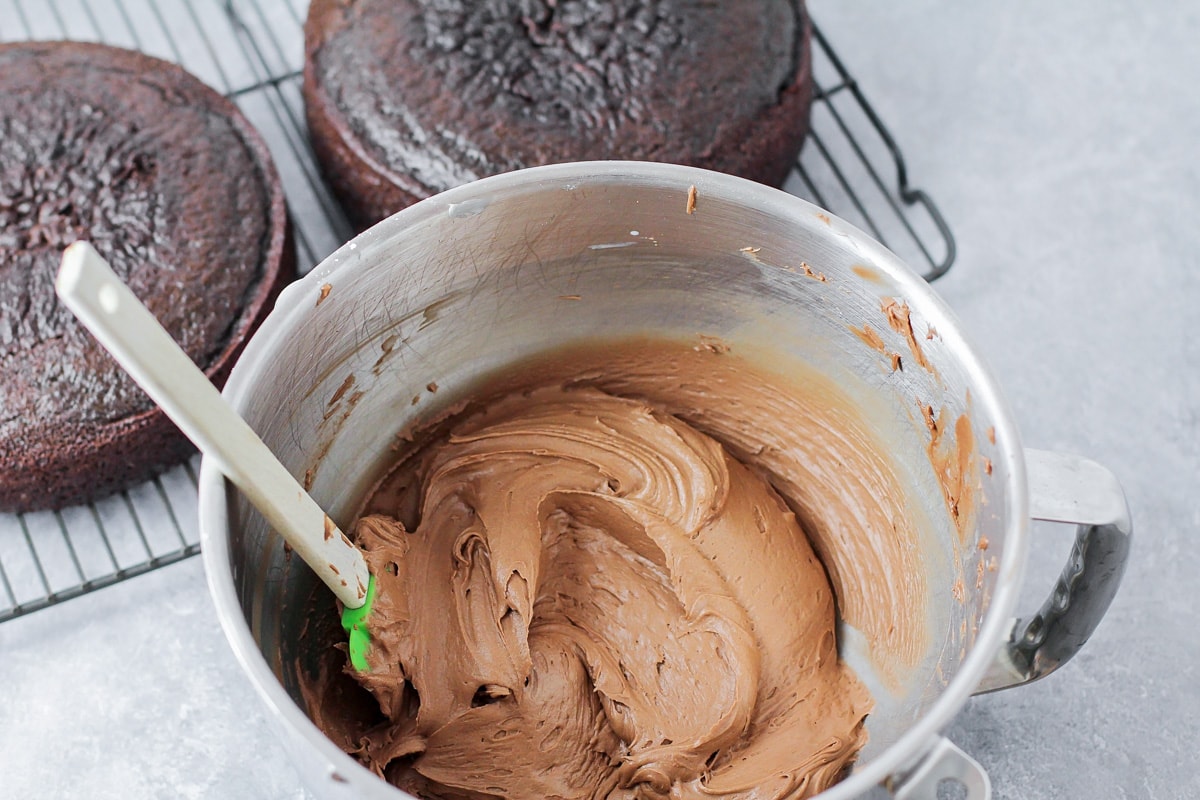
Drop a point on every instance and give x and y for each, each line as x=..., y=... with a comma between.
x=88, y=286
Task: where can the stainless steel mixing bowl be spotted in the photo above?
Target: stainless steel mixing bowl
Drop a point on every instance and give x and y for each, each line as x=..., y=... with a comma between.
x=473, y=279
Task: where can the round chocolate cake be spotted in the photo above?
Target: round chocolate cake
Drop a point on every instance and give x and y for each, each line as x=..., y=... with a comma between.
x=406, y=98
x=176, y=190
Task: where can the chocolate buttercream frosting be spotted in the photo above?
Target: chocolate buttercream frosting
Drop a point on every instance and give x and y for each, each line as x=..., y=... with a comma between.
x=582, y=595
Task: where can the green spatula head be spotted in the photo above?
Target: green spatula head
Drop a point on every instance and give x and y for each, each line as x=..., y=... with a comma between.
x=354, y=621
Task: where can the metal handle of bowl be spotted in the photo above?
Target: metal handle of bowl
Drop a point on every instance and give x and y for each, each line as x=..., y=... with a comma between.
x=1071, y=489
x=943, y=762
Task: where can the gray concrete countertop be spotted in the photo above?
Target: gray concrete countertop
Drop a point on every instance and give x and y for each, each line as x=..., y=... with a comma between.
x=1062, y=141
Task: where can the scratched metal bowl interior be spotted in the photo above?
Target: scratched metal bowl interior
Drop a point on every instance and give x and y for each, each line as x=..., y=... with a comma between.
x=470, y=281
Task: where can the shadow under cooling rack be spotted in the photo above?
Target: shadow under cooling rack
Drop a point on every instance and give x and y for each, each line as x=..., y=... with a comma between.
x=252, y=51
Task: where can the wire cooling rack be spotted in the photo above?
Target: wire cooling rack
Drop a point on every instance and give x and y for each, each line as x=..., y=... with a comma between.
x=252, y=51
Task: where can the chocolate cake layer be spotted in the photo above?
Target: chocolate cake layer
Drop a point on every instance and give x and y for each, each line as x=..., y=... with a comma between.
x=177, y=191
x=406, y=98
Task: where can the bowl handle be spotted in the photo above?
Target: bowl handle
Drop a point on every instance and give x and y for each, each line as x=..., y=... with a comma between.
x=944, y=761
x=1071, y=489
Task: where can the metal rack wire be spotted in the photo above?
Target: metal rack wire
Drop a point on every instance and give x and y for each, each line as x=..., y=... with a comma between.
x=252, y=51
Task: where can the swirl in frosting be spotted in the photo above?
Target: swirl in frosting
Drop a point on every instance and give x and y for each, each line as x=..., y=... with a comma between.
x=593, y=599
